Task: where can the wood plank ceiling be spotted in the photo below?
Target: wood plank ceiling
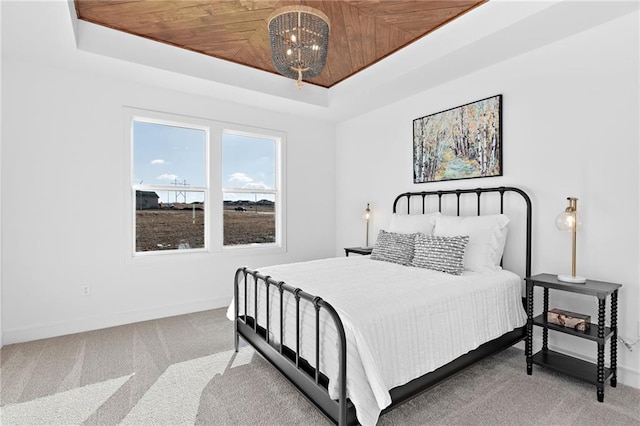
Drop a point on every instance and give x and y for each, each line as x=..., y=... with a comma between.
x=362, y=31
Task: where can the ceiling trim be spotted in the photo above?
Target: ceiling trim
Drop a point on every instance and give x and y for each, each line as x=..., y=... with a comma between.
x=481, y=38
x=124, y=46
x=362, y=31
x=116, y=44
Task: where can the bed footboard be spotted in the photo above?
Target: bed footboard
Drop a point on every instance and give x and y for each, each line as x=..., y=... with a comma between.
x=307, y=378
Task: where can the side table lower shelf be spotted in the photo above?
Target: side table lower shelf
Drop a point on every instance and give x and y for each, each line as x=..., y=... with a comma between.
x=574, y=367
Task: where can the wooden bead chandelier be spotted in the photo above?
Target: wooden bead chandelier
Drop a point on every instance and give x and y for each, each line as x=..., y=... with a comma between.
x=299, y=40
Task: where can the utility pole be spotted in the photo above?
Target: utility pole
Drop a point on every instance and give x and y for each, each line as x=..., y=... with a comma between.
x=183, y=194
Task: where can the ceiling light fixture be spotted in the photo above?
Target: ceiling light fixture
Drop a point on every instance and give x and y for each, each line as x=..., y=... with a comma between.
x=299, y=41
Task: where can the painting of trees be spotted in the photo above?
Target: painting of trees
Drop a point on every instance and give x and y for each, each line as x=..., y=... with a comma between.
x=459, y=143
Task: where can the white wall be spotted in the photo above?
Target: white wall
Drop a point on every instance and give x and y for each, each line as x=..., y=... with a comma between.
x=62, y=144
x=570, y=128
x=1, y=338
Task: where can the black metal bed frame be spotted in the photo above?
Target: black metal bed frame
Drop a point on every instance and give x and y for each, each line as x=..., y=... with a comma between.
x=313, y=383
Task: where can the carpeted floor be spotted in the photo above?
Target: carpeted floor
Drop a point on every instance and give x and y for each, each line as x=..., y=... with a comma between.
x=183, y=371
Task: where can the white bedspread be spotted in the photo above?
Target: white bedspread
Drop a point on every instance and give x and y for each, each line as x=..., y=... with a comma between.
x=401, y=322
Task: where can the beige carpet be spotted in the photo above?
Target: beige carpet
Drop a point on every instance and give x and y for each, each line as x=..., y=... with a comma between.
x=183, y=371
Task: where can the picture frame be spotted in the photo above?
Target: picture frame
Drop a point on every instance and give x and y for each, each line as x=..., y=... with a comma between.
x=464, y=142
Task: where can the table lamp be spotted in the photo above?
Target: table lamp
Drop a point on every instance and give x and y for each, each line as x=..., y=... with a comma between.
x=569, y=220
x=367, y=216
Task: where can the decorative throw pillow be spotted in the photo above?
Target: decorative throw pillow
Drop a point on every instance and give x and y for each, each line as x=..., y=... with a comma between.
x=444, y=254
x=487, y=237
x=413, y=223
x=393, y=247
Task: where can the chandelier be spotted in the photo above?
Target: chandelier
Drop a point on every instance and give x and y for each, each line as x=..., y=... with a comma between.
x=299, y=40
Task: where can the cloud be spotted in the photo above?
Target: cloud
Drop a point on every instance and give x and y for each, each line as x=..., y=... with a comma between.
x=240, y=177
x=256, y=185
x=167, y=176
x=158, y=162
x=248, y=183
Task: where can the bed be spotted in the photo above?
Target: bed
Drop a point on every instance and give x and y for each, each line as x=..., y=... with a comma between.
x=358, y=336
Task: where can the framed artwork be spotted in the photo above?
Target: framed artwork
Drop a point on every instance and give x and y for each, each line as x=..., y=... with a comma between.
x=460, y=143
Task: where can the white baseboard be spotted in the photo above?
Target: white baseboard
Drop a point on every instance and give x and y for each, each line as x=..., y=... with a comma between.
x=80, y=325
x=626, y=375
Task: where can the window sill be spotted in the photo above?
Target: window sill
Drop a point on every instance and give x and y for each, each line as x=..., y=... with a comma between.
x=194, y=254
x=254, y=249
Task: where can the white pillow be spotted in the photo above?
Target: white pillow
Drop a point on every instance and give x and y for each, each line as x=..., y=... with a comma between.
x=487, y=237
x=413, y=223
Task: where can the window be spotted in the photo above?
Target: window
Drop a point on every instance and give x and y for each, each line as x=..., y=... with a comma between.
x=251, y=196
x=169, y=182
x=182, y=166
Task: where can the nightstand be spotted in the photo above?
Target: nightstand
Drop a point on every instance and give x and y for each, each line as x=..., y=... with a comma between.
x=595, y=374
x=358, y=250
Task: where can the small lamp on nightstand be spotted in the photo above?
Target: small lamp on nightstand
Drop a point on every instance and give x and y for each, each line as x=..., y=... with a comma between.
x=367, y=216
x=569, y=220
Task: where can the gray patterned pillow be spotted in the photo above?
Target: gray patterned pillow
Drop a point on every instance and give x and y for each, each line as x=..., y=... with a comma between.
x=444, y=254
x=392, y=247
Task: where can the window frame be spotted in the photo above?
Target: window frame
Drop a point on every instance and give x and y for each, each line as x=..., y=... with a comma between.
x=277, y=192
x=165, y=120
x=214, y=220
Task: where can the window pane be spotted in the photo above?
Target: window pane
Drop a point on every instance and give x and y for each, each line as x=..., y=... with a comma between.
x=249, y=218
x=169, y=220
x=248, y=162
x=168, y=155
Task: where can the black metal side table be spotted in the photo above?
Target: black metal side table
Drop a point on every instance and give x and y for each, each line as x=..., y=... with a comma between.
x=595, y=374
x=358, y=250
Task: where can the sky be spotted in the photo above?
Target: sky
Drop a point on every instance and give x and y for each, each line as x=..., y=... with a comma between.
x=169, y=155
x=248, y=163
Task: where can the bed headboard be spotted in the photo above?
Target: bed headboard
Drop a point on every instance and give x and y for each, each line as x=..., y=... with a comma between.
x=459, y=196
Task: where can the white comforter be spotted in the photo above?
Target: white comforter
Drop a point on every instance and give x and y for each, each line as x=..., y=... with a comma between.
x=401, y=322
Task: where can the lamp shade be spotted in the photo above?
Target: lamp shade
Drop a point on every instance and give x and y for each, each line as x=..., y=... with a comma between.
x=569, y=220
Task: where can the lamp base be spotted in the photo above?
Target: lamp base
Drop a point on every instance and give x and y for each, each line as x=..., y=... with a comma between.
x=572, y=279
